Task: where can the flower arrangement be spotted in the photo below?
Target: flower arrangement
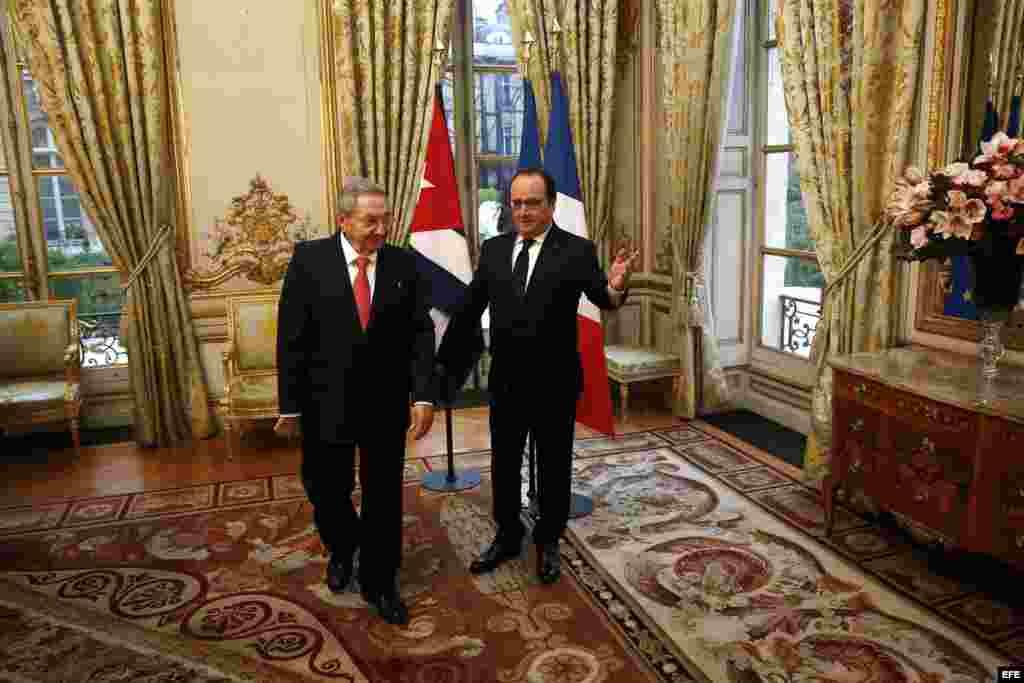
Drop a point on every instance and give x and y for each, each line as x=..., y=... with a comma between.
x=972, y=209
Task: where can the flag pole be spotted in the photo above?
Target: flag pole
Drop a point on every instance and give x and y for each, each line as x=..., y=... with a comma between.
x=450, y=480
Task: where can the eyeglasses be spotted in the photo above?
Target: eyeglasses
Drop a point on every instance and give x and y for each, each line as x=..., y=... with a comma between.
x=531, y=204
x=373, y=221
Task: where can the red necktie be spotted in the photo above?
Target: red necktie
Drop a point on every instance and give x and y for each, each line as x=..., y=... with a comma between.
x=362, y=290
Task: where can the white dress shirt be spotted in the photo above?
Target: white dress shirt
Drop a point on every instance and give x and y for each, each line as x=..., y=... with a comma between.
x=534, y=254
x=353, y=270
x=351, y=255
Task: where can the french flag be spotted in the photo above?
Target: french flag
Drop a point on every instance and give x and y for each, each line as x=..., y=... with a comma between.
x=594, y=408
x=437, y=234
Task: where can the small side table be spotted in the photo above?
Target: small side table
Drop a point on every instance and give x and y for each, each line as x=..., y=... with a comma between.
x=629, y=364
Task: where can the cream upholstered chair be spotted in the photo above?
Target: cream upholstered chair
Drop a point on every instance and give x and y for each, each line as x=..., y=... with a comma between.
x=250, y=363
x=629, y=364
x=40, y=365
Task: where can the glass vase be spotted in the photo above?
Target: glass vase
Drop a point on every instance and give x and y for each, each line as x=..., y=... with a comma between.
x=990, y=346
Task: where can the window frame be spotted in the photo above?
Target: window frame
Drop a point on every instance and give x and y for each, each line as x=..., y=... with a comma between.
x=462, y=72
x=38, y=241
x=791, y=367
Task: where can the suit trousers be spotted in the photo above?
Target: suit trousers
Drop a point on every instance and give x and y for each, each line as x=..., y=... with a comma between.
x=328, y=474
x=514, y=412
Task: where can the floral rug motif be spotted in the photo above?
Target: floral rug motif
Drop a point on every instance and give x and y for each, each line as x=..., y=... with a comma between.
x=726, y=560
x=238, y=567
x=702, y=561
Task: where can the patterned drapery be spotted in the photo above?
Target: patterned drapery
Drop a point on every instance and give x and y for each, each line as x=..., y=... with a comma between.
x=850, y=72
x=584, y=52
x=696, y=46
x=102, y=81
x=17, y=157
x=1006, y=51
x=387, y=64
x=530, y=16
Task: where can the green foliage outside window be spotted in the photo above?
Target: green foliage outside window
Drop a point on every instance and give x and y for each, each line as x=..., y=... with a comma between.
x=10, y=290
x=799, y=272
x=95, y=293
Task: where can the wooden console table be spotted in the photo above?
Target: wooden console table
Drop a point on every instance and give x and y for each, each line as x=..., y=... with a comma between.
x=918, y=431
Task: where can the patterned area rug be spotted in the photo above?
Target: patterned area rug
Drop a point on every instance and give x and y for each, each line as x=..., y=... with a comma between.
x=701, y=562
x=237, y=567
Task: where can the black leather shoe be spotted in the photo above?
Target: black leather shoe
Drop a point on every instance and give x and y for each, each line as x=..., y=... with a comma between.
x=389, y=606
x=492, y=558
x=549, y=563
x=339, y=573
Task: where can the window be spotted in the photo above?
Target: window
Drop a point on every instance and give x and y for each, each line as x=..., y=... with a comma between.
x=497, y=107
x=791, y=283
x=77, y=264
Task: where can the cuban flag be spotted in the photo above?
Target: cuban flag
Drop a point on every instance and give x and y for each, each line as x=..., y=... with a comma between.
x=437, y=234
x=594, y=408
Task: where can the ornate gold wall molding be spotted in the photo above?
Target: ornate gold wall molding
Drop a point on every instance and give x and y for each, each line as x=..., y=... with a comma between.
x=256, y=239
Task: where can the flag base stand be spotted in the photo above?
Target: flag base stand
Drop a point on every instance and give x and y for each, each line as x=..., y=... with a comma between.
x=579, y=505
x=450, y=481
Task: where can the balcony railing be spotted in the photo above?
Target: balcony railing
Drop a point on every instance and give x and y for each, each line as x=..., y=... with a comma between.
x=798, y=322
x=100, y=339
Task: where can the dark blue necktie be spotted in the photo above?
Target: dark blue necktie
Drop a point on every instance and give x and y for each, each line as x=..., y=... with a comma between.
x=521, y=268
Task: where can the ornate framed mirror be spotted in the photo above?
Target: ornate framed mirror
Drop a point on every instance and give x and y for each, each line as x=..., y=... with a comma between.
x=976, y=54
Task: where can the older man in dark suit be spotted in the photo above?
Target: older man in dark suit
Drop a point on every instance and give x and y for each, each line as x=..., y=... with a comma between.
x=355, y=349
x=532, y=280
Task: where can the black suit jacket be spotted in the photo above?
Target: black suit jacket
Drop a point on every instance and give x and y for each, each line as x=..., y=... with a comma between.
x=533, y=343
x=346, y=382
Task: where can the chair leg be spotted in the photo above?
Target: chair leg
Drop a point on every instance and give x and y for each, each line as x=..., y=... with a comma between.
x=229, y=437
x=624, y=392
x=75, y=436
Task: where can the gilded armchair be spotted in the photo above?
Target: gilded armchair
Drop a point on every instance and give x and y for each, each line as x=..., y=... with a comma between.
x=250, y=363
x=40, y=365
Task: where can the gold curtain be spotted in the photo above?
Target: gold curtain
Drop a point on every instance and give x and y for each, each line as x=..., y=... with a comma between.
x=530, y=16
x=1006, y=50
x=17, y=159
x=387, y=64
x=696, y=46
x=850, y=72
x=584, y=52
x=103, y=84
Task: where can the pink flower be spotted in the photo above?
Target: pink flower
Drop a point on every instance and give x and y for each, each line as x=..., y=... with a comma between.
x=956, y=169
x=973, y=177
x=909, y=202
x=951, y=224
x=971, y=210
x=942, y=223
x=996, y=191
x=914, y=176
x=1015, y=190
x=996, y=149
x=919, y=237
x=1000, y=211
x=909, y=219
x=1005, y=171
x=962, y=228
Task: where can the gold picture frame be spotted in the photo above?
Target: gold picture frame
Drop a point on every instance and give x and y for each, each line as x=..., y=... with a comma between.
x=949, y=59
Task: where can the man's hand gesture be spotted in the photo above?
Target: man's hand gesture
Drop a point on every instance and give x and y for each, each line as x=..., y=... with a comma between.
x=622, y=267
